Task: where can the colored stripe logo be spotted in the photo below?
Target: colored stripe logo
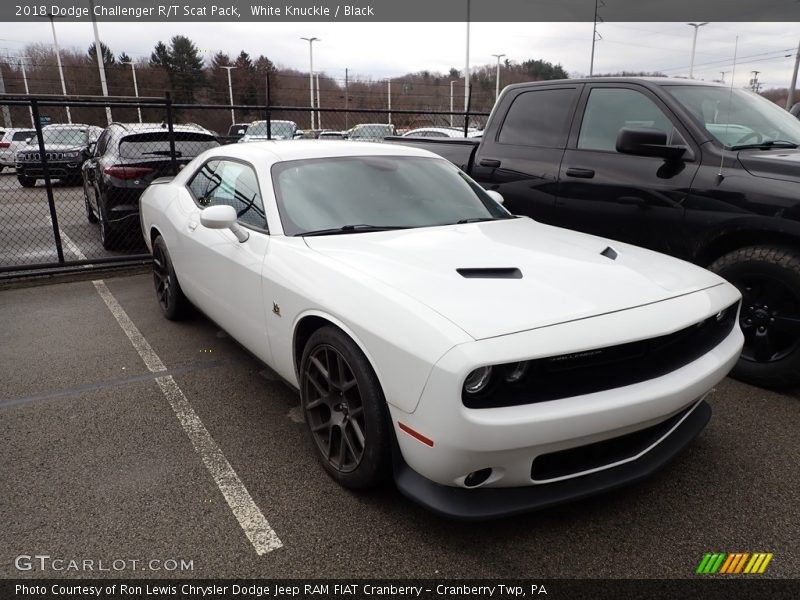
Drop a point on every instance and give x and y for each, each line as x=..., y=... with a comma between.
x=734, y=563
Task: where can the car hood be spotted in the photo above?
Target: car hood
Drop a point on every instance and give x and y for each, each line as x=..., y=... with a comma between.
x=564, y=276
x=775, y=164
x=53, y=148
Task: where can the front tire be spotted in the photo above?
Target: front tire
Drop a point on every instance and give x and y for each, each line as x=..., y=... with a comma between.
x=173, y=303
x=345, y=410
x=110, y=237
x=769, y=279
x=26, y=182
x=90, y=216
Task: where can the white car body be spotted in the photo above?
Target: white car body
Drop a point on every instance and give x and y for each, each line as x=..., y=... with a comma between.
x=12, y=140
x=439, y=132
x=424, y=327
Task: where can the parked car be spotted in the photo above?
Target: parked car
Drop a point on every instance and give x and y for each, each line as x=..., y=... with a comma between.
x=125, y=160
x=689, y=168
x=331, y=135
x=370, y=132
x=436, y=132
x=66, y=146
x=11, y=140
x=495, y=363
x=237, y=130
x=279, y=130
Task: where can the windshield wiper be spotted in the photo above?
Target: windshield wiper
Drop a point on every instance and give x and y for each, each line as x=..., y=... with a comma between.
x=766, y=144
x=359, y=228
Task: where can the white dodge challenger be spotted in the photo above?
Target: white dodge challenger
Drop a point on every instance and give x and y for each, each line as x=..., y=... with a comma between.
x=491, y=364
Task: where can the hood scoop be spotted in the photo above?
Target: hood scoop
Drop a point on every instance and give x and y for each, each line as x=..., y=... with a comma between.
x=609, y=252
x=491, y=273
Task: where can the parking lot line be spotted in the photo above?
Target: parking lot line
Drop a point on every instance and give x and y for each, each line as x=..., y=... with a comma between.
x=251, y=519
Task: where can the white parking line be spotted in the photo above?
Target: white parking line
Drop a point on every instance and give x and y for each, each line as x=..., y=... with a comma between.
x=251, y=519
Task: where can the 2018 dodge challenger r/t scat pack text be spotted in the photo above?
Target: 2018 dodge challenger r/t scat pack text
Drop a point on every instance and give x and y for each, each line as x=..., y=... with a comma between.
x=490, y=363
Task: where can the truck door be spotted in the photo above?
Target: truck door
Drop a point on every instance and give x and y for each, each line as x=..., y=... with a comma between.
x=521, y=157
x=635, y=199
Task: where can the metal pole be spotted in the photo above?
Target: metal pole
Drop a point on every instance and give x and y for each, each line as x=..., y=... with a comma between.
x=346, y=100
x=171, y=132
x=22, y=60
x=136, y=90
x=594, y=40
x=319, y=114
x=790, y=97
x=48, y=184
x=230, y=93
x=311, y=41
x=466, y=68
x=452, y=81
x=694, y=45
x=60, y=68
x=98, y=51
x=497, y=83
x=389, y=98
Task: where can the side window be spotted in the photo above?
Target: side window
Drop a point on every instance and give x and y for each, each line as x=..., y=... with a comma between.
x=231, y=183
x=539, y=118
x=610, y=109
x=21, y=136
x=102, y=143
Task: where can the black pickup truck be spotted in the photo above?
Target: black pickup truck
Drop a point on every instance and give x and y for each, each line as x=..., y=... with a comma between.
x=697, y=170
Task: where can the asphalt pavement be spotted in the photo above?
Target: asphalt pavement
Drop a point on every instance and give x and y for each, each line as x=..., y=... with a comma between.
x=96, y=465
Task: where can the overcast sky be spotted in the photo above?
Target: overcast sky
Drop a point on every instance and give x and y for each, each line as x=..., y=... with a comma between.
x=381, y=50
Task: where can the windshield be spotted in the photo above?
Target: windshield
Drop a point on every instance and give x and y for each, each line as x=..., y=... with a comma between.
x=68, y=137
x=737, y=117
x=371, y=131
x=380, y=191
x=279, y=128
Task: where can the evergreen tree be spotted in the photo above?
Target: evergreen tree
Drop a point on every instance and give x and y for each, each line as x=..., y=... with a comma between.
x=108, y=55
x=160, y=56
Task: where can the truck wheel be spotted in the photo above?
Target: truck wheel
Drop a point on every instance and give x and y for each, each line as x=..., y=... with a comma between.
x=27, y=182
x=769, y=279
x=345, y=410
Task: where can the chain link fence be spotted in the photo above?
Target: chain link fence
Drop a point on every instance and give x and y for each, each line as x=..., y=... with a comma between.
x=73, y=170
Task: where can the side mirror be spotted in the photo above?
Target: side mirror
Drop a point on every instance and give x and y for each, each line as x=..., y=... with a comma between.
x=223, y=216
x=647, y=141
x=496, y=196
x=92, y=147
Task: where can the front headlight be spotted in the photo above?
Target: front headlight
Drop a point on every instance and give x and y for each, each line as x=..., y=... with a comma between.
x=516, y=371
x=477, y=380
x=72, y=154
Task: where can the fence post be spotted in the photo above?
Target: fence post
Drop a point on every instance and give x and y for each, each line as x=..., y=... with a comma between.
x=170, y=117
x=48, y=184
x=269, y=112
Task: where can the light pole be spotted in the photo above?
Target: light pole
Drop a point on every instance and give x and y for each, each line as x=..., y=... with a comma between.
x=230, y=93
x=98, y=51
x=497, y=84
x=60, y=68
x=311, y=41
x=452, y=81
x=319, y=114
x=694, y=45
x=389, y=98
x=22, y=60
x=466, y=70
x=135, y=87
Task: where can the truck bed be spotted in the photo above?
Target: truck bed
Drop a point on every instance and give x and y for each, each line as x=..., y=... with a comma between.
x=460, y=152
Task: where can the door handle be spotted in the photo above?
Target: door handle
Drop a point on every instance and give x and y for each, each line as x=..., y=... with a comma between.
x=489, y=162
x=580, y=173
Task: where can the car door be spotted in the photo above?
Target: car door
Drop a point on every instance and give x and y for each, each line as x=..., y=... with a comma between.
x=226, y=274
x=636, y=199
x=522, y=158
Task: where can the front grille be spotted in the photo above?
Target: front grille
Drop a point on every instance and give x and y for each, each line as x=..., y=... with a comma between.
x=608, y=452
x=600, y=369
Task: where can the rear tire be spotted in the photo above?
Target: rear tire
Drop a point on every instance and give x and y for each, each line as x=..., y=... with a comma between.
x=769, y=279
x=345, y=410
x=26, y=182
x=173, y=303
x=90, y=216
x=110, y=237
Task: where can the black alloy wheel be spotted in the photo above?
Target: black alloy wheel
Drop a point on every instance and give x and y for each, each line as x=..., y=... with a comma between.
x=170, y=297
x=768, y=278
x=345, y=410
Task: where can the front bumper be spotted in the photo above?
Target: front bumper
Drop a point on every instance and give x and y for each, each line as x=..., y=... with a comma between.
x=56, y=170
x=492, y=503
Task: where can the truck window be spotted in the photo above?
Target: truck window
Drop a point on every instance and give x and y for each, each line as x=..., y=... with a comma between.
x=539, y=118
x=610, y=109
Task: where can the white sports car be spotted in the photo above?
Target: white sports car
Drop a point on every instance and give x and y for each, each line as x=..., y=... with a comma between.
x=492, y=364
